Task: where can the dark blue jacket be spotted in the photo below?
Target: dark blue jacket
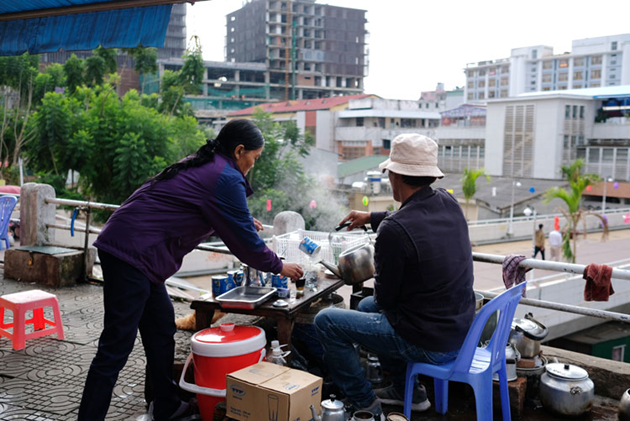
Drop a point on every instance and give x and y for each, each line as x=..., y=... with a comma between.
x=160, y=223
x=424, y=270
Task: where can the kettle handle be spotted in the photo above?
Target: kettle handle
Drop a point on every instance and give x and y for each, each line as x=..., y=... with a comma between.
x=530, y=335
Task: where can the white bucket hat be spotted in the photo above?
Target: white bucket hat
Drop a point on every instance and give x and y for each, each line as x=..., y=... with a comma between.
x=413, y=154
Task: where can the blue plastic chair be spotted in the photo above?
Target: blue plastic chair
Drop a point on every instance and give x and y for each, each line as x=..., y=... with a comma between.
x=474, y=365
x=7, y=204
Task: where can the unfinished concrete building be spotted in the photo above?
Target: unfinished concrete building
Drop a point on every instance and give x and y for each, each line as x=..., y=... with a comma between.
x=311, y=50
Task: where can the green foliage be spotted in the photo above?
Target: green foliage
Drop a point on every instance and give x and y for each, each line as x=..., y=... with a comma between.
x=109, y=58
x=94, y=70
x=114, y=143
x=19, y=73
x=469, y=183
x=191, y=74
x=74, y=69
x=573, y=200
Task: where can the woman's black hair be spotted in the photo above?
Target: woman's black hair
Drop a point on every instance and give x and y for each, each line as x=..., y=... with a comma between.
x=234, y=133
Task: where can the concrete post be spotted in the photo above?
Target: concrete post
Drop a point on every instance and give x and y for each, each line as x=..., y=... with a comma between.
x=287, y=221
x=35, y=214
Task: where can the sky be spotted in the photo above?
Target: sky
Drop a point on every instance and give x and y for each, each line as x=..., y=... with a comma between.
x=414, y=44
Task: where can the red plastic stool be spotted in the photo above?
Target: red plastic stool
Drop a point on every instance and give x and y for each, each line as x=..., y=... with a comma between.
x=19, y=303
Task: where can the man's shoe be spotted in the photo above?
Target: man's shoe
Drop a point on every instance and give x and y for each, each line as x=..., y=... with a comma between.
x=390, y=396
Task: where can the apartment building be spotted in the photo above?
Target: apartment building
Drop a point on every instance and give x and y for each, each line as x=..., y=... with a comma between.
x=592, y=63
x=311, y=50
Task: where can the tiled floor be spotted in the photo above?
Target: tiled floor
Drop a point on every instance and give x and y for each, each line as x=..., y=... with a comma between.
x=45, y=380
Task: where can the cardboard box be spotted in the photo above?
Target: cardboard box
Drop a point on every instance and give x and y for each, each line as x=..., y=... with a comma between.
x=269, y=392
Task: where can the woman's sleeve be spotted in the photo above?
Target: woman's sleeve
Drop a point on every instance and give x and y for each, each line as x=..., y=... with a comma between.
x=229, y=215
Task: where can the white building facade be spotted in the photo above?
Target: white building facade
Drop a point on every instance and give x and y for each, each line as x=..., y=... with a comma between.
x=532, y=135
x=592, y=63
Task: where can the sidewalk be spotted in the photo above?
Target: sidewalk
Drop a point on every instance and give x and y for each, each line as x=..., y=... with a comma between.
x=45, y=380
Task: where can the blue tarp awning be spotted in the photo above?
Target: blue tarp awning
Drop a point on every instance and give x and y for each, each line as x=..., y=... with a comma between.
x=120, y=28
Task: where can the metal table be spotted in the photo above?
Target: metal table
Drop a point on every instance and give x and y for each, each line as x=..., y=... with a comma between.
x=285, y=316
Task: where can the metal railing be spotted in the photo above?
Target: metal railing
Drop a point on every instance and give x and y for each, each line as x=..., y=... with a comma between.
x=539, y=216
x=568, y=268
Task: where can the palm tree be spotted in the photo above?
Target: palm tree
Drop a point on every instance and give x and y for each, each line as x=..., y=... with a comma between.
x=469, y=184
x=573, y=199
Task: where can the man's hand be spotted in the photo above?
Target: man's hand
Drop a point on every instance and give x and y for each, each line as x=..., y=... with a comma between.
x=357, y=219
x=258, y=225
x=292, y=270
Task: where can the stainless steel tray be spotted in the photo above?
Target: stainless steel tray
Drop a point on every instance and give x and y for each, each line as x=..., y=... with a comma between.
x=245, y=297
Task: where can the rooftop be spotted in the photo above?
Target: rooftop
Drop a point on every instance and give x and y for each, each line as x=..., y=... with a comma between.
x=299, y=105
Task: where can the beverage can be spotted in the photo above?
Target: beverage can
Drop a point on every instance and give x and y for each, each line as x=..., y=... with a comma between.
x=279, y=281
x=309, y=246
x=234, y=279
x=220, y=285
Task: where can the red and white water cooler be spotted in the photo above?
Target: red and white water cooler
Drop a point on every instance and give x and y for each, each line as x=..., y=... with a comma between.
x=216, y=352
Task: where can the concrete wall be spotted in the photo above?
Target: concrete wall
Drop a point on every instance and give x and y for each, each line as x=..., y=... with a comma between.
x=495, y=125
x=325, y=132
x=548, y=138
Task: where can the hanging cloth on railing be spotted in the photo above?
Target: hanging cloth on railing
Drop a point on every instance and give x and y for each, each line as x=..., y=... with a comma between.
x=513, y=274
x=598, y=286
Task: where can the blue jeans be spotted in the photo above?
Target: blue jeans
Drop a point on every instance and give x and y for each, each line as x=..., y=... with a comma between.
x=339, y=329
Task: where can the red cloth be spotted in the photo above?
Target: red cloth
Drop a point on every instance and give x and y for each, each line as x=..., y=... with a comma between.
x=598, y=286
x=10, y=189
x=513, y=274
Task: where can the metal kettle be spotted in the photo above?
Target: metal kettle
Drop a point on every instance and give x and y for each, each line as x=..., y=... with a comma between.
x=332, y=410
x=355, y=264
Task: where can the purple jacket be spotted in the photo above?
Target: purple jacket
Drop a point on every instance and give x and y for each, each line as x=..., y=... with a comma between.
x=158, y=225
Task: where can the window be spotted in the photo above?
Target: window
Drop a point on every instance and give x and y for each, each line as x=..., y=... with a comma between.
x=481, y=84
x=596, y=60
x=581, y=112
x=471, y=84
x=492, y=71
x=359, y=121
x=504, y=81
x=546, y=78
x=482, y=72
x=492, y=83
x=563, y=63
x=567, y=111
x=563, y=77
x=471, y=73
x=491, y=94
x=533, y=82
x=596, y=74
x=575, y=86
x=481, y=95
x=547, y=64
x=595, y=85
x=387, y=144
x=504, y=94
x=505, y=69
x=579, y=61
x=613, y=46
x=437, y=105
x=546, y=88
x=534, y=69
x=577, y=75
x=535, y=54
x=562, y=88
x=575, y=111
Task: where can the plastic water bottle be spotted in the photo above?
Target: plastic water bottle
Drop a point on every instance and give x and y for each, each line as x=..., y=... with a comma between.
x=276, y=355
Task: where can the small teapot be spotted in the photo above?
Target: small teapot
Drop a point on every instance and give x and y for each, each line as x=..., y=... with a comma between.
x=332, y=410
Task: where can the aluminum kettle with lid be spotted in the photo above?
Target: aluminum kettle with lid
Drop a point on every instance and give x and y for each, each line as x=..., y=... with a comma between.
x=332, y=410
x=566, y=389
x=527, y=334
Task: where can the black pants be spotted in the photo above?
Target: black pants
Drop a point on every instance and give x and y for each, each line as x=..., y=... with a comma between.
x=132, y=301
x=539, y=249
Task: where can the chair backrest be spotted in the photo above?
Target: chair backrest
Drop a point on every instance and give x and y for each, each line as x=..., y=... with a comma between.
x=7, y=204
x=506, y=304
